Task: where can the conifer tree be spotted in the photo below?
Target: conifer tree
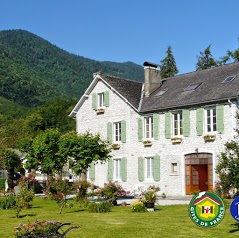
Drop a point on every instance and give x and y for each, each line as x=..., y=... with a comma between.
x=205, y=60
x=168, y=65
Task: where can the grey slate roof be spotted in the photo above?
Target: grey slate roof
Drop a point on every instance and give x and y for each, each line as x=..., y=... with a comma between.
x=129, y=89
x=211, y=90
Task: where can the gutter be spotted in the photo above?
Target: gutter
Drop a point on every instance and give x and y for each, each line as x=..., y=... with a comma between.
x=188, y=105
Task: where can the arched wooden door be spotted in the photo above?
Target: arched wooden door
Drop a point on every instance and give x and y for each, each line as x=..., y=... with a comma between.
x=198, y=172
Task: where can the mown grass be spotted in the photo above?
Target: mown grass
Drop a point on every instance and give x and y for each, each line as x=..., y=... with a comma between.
x=166, y=221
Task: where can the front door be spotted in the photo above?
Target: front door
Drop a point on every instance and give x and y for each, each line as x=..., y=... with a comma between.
x=202, y=174
x=198, y=172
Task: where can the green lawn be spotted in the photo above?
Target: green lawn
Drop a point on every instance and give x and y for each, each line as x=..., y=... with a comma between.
x=166, y=221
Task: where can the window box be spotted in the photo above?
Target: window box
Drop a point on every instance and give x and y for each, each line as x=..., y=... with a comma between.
x=147, y=142
x=115, y=146
x=176, y=139
x=209, y=137
x=100, y=110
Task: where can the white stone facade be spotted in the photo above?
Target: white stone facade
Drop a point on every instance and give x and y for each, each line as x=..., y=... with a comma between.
x=172, y=184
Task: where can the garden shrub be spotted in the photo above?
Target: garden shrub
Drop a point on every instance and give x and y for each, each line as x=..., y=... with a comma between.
x=2, y=183
x=8, y=201
x=138, y=206
x=100, y=207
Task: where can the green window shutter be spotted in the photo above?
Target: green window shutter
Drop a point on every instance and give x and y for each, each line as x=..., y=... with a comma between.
x=156, y=168
x=156, y=126
x=110, y=170
x=123, y=131
x=110, y=132
x=106, y=98
x=140, y=129
x=186, y=122
x=123, y=169
x=168, y=125
x=92, y=171
x=94, y=101
x=141, y=169
x=220, y=118
x=200, y=112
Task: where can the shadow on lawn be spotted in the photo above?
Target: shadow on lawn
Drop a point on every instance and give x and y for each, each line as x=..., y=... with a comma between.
x=236, y=228
x=79, y=210
x=25, y=215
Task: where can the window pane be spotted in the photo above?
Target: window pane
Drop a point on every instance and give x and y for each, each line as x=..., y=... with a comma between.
x=117, y=168
x=149, y=168
x=101, y=99
x=177, y=124
x=148, y=127
x=117, y=131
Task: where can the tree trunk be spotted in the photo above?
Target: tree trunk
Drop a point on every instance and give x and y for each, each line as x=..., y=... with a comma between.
x=83, y=176
x=10, y=177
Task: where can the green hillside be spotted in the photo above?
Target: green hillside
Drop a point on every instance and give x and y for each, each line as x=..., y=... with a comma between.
x=34, y=71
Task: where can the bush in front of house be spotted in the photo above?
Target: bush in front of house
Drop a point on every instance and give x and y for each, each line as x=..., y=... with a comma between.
x=100, y=207
x=138, y=206
x=7, y=201
x=2, y=183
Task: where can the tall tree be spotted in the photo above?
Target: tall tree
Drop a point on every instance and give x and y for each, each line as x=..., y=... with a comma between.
x=205, y=60
x=168, y=65
x=231, y=56
x=43, y=152
x=84, y=149
x=228, y=166
x=9, y=160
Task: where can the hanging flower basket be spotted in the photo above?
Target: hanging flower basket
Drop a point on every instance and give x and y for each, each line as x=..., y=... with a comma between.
x=100, y=110
x=209, y=137
x=176, y=139
x=147, y=142
x=115, y=146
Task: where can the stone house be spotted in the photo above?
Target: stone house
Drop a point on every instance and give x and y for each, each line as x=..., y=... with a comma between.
x=165, y=132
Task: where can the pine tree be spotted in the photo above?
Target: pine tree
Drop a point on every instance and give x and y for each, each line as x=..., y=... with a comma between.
x=205, y=60
x=168, y=65
x=231, y=56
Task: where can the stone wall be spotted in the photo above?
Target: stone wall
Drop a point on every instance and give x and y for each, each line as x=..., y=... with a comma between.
x=87, y=119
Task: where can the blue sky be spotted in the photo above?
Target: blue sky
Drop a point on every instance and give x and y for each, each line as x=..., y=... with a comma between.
x=129, y=30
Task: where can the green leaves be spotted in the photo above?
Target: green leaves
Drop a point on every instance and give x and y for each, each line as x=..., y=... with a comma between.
x=228, y=167
x=205, y=60
x=168, y=66
x=84, y=149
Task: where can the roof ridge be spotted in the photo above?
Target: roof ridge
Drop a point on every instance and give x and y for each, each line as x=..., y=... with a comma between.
x=112, y=76
x=209, y=69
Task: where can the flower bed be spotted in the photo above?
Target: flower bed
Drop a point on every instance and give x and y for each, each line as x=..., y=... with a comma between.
x=46, y=229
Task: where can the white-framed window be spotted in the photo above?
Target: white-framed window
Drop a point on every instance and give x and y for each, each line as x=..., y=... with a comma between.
x=177, y=124
x=117, y=169
x=149, y=168
x=148, y=127
x=100, y=100
x=211, y=119
x=117, y=131
x=174, y=168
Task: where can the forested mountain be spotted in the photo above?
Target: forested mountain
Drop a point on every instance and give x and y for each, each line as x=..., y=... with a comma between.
x=33, y=71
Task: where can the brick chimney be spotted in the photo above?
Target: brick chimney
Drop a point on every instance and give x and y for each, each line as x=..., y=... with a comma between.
x=152, y=78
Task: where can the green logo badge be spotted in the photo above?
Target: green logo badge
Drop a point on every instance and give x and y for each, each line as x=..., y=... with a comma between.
x=206, y=209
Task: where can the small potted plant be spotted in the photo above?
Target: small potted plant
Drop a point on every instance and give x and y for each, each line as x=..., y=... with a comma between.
x=115, y=146
x=100, y=110
x=150, y=196
x=147, y=142
x=176, y=139
x=209, y=137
